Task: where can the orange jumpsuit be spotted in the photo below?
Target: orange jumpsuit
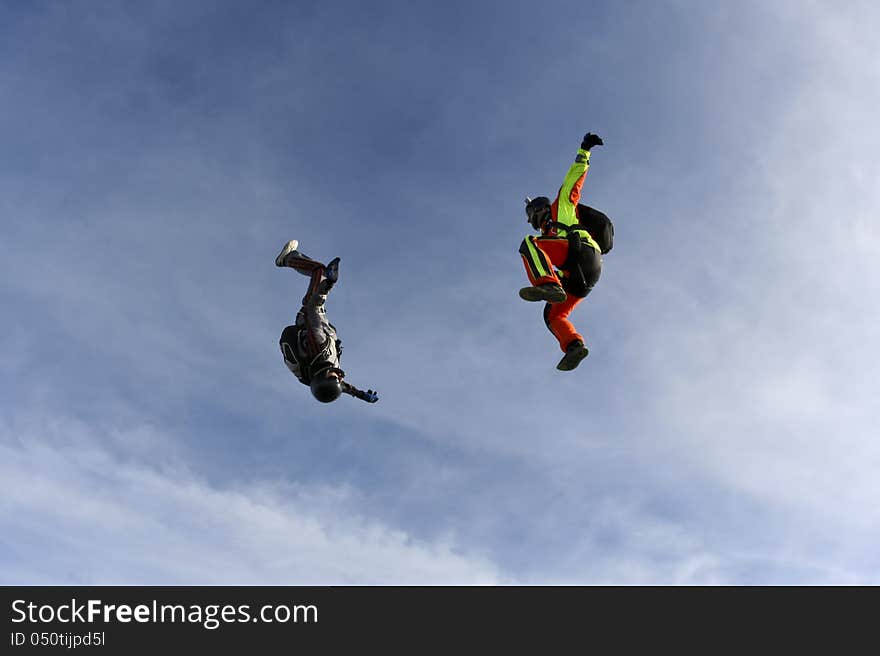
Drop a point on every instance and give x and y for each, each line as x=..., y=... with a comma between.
x=542, y=255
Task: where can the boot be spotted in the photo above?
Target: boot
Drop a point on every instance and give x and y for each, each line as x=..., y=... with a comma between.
x=331, y=271
x=574, y=353
x=549, y=291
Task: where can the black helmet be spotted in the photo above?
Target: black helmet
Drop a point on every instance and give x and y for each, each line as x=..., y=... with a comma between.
x=326, y=388
x=534, y=207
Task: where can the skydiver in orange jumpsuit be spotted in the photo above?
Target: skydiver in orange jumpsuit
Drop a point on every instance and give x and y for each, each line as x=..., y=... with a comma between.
x=565, y=261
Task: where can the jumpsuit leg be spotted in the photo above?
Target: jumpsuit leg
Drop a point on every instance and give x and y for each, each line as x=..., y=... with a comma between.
x=540, y=255
x=302, y=263
x=588, y=268
x=556, y=318
x=312, y=311
x=319, y=285
x=313, y=315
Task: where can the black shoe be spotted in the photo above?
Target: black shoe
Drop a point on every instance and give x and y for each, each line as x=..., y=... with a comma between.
x=550, y=292
x=331, y=271
x=574, y=353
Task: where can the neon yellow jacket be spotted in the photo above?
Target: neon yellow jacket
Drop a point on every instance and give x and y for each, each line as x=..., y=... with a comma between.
x=564, y=208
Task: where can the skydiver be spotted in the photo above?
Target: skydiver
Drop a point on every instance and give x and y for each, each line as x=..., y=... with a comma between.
x=571, y=250
x=311, y=347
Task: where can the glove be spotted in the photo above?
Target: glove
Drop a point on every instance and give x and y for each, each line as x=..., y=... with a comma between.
x=591, y=140
x=370, y=396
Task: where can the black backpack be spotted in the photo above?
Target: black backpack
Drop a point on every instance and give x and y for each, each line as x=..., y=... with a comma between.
x=598, y=225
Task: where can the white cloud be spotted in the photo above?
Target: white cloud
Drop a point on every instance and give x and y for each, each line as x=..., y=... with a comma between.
x=76, y=514
x=769, y=382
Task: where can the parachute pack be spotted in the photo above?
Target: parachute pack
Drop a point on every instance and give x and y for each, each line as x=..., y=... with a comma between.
x=598, y=225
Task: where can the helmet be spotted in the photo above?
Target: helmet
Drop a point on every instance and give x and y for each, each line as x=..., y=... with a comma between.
x=536, y=210
x=326, y=388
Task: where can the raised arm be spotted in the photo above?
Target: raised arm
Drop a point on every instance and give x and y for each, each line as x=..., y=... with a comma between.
x=570, y=191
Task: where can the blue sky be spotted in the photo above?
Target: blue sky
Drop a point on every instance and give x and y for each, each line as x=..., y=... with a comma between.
x=156, y=156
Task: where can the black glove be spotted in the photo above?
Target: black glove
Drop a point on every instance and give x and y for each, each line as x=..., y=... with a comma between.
x=591, y=140
x=369, y=396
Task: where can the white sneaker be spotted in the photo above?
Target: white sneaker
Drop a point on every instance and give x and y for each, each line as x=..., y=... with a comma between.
x=289, y=247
